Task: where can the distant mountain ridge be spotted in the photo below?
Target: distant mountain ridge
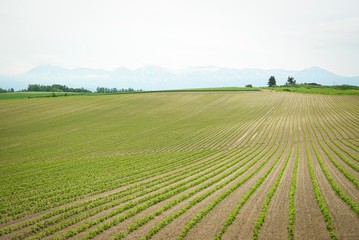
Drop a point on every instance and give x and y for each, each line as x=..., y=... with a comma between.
x=152, y=77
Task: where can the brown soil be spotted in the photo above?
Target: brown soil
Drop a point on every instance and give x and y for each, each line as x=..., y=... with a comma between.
x=277, y=219
x=345, y=220
x=243, y=225
x=309, y=222
x=174, y=228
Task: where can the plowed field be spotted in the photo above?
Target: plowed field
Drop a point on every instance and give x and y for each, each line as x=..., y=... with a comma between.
x=194, y=165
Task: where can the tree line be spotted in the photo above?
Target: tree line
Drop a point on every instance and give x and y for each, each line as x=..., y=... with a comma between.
x=64, y=88
x=290, y=81
x=115, y=90
x=54, y=88
x=6, y=90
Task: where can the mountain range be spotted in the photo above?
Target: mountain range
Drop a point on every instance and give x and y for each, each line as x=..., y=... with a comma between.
x=152, y=77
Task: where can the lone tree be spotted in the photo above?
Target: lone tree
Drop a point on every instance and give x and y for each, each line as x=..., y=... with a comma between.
x=290, y=81
x=272, y=82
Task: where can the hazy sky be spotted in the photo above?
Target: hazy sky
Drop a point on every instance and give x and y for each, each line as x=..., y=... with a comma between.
x=229, y=33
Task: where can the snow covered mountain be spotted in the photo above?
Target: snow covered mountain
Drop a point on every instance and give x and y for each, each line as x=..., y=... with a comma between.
x=152, y=77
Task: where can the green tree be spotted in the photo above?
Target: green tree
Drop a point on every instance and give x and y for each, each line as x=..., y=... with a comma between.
x=272, y=82
x=290, y=81
x=249, y=86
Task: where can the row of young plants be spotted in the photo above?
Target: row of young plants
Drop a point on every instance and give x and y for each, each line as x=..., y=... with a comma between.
x=293, y=181
x=339, y=127
x=352, y=204
x=210, y=177
x=344, y=110
x=232, y=215
x=167, y=220
x=141, y=204
x=260, y=219
x=43, y=196
x=25, y=206
x=232, y=133
x=348, y=106
x=143, y=220
x=344, y=127
x=202, y=213
x=318, y=196
x=220, y=138
x=193, y=143
x=241, y=162
x=254, y=127
x=125, y=178
x=130, y=190
x=350, y=163
x=48, y=191
x=263, y=213
x=104, y=203
x=338, y=166
x=354, y=149
x=214, y=137
x=291, y=196
x=352, y=179
x=244, y=119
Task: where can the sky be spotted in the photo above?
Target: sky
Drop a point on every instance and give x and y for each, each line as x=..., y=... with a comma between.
x=175, y=34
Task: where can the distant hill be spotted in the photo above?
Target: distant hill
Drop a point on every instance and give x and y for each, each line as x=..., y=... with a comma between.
x=154, y=78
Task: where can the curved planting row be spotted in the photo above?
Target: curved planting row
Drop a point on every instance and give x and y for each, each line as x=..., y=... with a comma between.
x=216, y=201
x=105, y=226
x=164, y=165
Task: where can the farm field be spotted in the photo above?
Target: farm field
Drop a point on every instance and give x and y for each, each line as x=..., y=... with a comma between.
x=180, y=165
x=17, y=95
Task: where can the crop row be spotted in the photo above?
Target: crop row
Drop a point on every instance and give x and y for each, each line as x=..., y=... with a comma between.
x=176, y=214
x=115, y=221
x=196, y=200
x=84, y=208
x=74, y=194
x=231, y=217
x=119, y=197
x=201, y=214
x=291, y=196
x=152, y=199
x=260, y=220
x=354, y=206
x=320, y=200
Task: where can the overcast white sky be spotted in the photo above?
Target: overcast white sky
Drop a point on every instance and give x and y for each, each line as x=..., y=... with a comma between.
x=229, y=33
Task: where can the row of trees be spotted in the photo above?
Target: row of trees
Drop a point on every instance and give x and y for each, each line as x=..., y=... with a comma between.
x=6, y=90
x=64, y=88
x=115, y=90
x=53, y=88
x=290, y=81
